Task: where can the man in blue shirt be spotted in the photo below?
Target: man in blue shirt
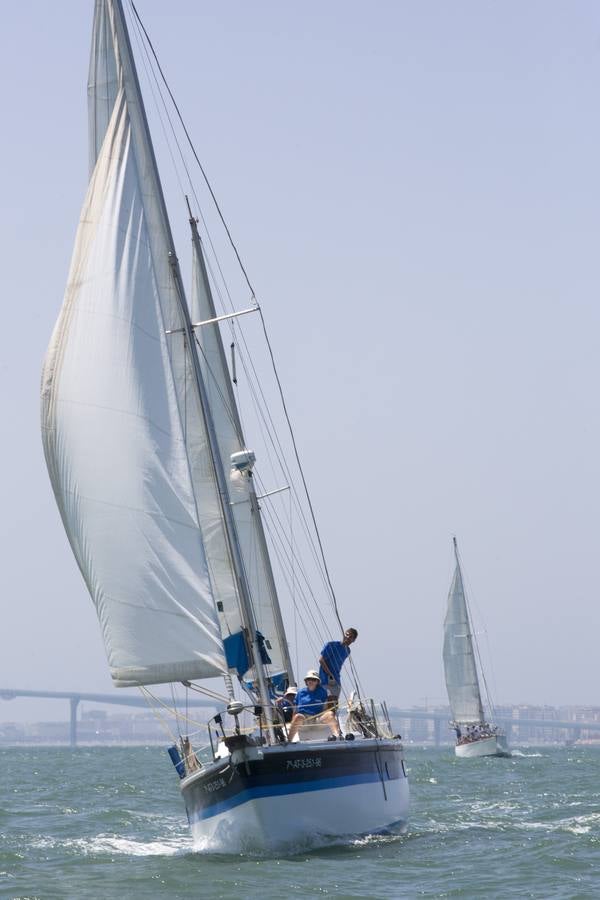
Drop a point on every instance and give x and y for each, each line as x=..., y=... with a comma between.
x=310, y=703
x=333, y=656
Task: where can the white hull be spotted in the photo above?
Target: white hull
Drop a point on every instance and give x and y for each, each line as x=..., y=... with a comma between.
x=490, y=746
x=303, y=813
x=300, y=821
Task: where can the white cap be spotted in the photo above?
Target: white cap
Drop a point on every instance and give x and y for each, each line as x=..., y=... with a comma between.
x=312, y=674
x=291, y=690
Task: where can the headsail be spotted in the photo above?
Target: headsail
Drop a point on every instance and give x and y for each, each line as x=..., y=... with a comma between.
x=459, y=659
x=240, y=485
x=113, y=428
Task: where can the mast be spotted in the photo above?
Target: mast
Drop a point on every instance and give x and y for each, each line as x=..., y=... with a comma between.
x=233, y=414
x=138, y=114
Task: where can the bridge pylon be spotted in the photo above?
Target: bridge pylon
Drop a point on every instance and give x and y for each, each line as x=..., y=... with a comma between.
x=74, y=703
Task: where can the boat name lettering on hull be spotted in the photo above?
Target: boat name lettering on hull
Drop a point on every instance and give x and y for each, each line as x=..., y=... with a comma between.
x=311, y=762
x=214, y=785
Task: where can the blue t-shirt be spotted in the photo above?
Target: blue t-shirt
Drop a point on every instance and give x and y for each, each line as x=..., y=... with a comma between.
x=311, y=703
x=335, y=655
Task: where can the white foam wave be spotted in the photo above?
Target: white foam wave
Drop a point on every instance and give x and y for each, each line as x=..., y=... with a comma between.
x=173, y=841
x=485, y=806
x=576, y=825
x=111, y=844
x=239, y=844
x=573, y=825
x=524, y=755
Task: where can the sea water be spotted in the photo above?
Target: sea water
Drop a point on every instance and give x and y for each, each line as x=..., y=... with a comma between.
x=107, y=823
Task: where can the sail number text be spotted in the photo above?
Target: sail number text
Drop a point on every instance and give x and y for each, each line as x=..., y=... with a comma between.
x=310, y=762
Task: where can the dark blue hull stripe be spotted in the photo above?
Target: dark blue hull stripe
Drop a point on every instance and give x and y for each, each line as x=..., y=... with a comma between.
x=279, y=790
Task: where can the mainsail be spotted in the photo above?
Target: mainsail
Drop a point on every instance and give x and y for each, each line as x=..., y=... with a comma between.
x=138, y=455
x=459, y=659
x=241, y=488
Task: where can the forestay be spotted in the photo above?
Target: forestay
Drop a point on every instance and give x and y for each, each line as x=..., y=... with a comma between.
x=459, y=659
x=112, y=422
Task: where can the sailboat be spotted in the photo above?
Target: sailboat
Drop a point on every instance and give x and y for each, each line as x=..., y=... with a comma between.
x=155, y=484
x=476, y=735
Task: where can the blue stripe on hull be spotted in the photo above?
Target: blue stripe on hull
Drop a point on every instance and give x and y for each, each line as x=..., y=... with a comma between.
x=279, y=790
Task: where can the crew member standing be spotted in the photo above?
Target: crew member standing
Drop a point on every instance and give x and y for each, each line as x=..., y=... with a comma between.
x=333, y=656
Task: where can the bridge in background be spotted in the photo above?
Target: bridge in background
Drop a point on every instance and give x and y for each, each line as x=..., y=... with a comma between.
x=118, y=699
x=440, y=719
x=510, y=723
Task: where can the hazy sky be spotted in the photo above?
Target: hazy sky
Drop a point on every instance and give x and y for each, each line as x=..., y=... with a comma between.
x=414, y=189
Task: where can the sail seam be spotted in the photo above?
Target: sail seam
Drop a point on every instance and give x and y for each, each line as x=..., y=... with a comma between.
x=136, y=509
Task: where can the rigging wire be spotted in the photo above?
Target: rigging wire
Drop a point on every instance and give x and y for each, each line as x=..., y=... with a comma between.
x=229, y=412
x=280, y=455
x=280, y=531
x=328, y=579
x=173, y=712
x=159, y=715
x=264, y=418
x=277, y=534
x=253, y=294
x=272, y=431
x=174, y=706
x=200, y=166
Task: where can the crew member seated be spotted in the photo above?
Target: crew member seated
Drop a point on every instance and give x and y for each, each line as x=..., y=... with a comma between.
x=286, y=704
x=310, y=703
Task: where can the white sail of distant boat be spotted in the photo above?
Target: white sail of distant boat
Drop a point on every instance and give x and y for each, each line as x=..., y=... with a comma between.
x=475, y=735
x=155, y=487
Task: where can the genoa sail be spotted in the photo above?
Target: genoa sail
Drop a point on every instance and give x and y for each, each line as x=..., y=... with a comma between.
x=139, y=421
x=460, y=666
x=112, y=423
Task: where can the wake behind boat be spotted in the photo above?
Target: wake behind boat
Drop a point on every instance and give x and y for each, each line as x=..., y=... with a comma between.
x=156, y=488
x=475, y=734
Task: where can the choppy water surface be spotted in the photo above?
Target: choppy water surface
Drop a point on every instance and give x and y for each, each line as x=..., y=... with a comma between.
x=109, y=823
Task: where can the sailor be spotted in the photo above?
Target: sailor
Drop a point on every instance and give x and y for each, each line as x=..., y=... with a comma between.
x=333, y=656
x=284, y=712
x=310, y=703
x=286, y=703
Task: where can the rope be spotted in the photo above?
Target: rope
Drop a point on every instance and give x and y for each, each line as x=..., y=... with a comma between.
x=172, y=712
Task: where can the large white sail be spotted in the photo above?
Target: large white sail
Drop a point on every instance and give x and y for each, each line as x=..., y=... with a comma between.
x=459, y=659
x=240, y=485
x=113, y=430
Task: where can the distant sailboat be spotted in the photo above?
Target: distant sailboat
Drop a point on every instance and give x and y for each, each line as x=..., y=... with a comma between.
x=475, y=735
x=156, y=488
